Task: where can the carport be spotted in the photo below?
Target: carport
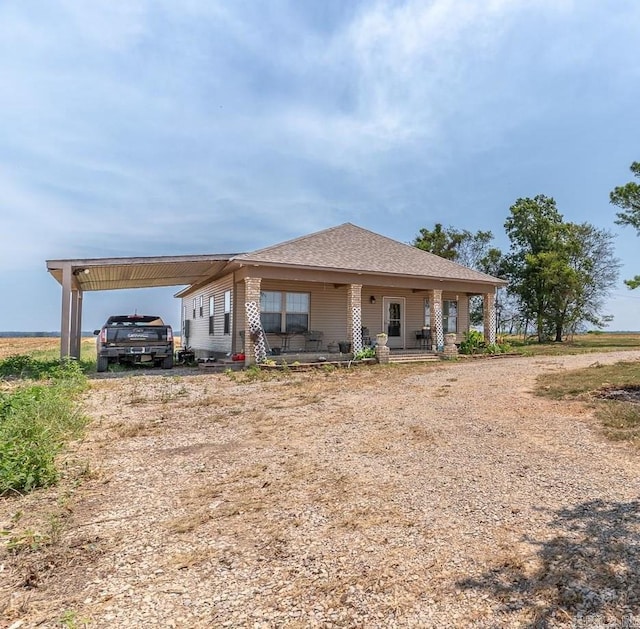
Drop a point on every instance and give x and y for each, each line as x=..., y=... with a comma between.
x=95, y=274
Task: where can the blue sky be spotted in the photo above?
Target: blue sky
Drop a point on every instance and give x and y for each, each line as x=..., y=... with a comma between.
x=164, y=128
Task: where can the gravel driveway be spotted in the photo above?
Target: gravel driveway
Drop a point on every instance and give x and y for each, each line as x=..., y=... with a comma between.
x=442, y=495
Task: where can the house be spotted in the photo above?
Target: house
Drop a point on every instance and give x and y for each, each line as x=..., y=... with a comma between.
x=340, y=282
x=340, y=285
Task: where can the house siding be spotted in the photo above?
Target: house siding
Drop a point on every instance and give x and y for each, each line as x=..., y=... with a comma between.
x=328, y=313
x=200, y=340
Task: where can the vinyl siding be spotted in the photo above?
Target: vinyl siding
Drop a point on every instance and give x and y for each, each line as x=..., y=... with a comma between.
x=328, y=313
x=200, y=340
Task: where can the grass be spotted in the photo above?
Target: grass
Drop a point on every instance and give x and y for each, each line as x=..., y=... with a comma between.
x=620, y=420
x=37, y=417
x=579, y=344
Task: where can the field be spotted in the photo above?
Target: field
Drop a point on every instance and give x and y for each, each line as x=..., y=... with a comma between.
x=440, y=495
x=49, y=347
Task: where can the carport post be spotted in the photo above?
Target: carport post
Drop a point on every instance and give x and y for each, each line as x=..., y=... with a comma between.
x=76, y=322
x=65, y=324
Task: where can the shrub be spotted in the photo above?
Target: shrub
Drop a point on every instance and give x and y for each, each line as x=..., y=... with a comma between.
x=473, y=343
x=366, y=352
x=35, y=422
x=25, y=366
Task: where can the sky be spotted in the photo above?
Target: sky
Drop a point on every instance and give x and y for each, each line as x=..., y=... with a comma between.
x=207, y=126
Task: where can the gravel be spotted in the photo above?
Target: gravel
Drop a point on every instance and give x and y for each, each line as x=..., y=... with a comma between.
x=442, y=495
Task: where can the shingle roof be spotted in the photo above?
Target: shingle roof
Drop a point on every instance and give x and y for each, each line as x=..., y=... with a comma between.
x=348, y=247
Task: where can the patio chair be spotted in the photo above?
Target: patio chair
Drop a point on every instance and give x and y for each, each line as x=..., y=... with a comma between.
x=313, y=340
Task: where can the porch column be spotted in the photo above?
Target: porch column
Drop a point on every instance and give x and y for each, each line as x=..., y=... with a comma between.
x=354, y=316
x=255, y=350
x=437, y=331
x=489, y=317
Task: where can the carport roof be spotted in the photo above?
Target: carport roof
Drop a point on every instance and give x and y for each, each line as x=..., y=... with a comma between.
x=93, y=274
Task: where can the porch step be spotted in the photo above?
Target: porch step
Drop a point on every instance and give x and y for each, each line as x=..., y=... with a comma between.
x=414, y=358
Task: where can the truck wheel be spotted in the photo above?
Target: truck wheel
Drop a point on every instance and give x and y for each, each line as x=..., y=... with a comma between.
x=103, y=363
x=167, y=363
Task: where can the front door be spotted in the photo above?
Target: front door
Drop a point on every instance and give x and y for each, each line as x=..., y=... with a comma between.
x=394, y=320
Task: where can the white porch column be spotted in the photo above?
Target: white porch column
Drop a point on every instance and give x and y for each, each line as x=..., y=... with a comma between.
x=255, y=350
x=354, y=316
x=489, y=317
x=437, y=330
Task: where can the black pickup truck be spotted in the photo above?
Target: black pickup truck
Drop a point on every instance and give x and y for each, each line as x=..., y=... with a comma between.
x=129, y=339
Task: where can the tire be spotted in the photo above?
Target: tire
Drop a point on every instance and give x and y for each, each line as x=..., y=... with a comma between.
x=167, y=363
x=103, y=363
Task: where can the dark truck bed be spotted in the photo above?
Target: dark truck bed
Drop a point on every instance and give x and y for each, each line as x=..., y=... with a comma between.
x=134, y=339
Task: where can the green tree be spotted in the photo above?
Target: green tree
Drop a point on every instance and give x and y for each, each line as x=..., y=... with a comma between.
x=443, y=242
x=627, y=197
x=471, y=250
x=463, y=246
x=560, y=272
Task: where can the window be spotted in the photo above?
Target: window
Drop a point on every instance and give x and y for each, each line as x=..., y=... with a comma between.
x=449, y=315
x=284, y=312
x=194, y=308
x=271, y=311
x=200, y=308
x=211, y=313
x=227, y=312
x=427, y=314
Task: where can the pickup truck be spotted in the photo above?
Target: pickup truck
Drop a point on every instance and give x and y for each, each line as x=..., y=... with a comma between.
x=129, y=339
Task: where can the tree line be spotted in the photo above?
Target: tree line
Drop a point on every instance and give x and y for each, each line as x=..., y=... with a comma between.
x=560, y=273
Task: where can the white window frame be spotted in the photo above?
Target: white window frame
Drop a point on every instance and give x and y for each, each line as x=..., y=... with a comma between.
x=447, y=318
x=212, y=302
x=227, y=312
x=287, y=307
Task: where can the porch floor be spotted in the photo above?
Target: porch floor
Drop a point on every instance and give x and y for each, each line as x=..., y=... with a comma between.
x=395, y=355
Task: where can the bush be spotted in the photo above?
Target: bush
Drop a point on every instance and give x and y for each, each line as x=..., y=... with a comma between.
x=473, y=343
x=366, y=352
x=25, y=366
x=35, y=422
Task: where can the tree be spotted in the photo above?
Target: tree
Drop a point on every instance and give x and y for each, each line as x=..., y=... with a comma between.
x=560, y=272
x=463, y=246
x=443, y=242
x=471, y=250
x=627, y=197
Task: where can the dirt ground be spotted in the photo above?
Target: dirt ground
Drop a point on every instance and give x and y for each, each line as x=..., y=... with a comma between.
x=440, y=495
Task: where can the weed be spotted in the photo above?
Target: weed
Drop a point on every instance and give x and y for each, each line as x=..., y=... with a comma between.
x=252, y=373
x=24, y=540
x=35, y=422
x=366, y=352
x=71, y=620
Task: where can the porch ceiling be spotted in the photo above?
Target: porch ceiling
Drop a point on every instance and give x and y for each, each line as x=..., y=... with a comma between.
x=94, y=274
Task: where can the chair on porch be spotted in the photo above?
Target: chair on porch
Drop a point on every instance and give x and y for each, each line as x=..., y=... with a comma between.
x=423, y=338
x=366, y=337
x=313, y=340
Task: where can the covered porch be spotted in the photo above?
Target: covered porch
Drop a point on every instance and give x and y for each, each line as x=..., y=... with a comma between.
x=283, y=317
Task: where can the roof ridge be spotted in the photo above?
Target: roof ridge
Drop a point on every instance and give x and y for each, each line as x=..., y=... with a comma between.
x=293, y=240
